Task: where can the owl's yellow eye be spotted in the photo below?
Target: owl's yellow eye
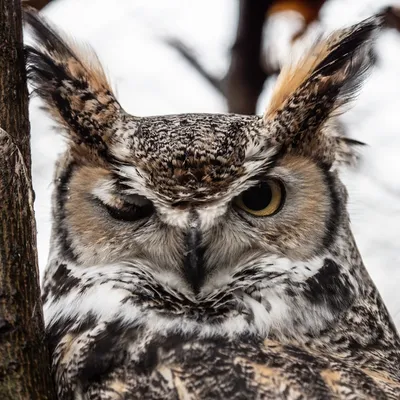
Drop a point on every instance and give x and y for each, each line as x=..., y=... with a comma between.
x=262, y=200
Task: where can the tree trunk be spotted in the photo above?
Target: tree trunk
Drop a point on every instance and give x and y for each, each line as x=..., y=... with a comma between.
x=24, y=359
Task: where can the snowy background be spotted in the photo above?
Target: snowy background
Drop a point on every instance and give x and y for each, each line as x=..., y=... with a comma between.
x=151, y=78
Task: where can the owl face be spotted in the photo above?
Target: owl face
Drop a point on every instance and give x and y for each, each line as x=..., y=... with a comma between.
x=200, y=215
x=196, y=197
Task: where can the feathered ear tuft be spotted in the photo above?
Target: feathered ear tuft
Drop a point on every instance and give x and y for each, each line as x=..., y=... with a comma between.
x=310, y=94
x=72, y=84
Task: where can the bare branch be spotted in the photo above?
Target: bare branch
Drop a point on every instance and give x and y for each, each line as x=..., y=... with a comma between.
x=392, y=17
x=189, y=56
x=38, y=4
x=245, y=78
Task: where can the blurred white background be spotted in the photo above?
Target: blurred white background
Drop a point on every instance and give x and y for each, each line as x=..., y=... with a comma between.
x=149, y=78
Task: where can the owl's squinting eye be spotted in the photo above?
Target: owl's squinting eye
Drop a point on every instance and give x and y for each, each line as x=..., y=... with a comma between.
x=130, y=209
x=262, y=200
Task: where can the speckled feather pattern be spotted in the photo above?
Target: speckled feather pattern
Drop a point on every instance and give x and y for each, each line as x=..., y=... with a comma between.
x=279, y=307
x=191, y=153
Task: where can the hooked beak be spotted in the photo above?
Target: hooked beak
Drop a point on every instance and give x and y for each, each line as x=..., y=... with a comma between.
x=194, y=256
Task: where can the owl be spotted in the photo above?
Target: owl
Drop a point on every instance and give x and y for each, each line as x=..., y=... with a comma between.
x=209, y=256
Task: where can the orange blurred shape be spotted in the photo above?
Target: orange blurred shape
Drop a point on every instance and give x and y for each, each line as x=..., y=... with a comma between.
x=309, y=9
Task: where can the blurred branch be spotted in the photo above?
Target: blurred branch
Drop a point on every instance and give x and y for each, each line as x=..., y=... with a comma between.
x=245, y=78
x=247, y=72
x=392, y=17
x=38, y=4
x=188, y=55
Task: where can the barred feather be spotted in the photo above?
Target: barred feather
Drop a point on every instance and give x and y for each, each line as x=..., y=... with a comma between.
x=73, y=85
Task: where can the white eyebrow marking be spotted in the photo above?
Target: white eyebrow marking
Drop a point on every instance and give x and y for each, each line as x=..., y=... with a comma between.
x=104, y=191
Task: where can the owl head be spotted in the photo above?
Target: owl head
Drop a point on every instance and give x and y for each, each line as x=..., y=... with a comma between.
x=205, y=203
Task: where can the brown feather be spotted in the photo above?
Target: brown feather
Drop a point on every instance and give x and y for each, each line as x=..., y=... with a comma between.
x=310, y=94
x=73, y=85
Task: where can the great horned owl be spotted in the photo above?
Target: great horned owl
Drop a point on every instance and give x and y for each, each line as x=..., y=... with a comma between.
x=210, y=256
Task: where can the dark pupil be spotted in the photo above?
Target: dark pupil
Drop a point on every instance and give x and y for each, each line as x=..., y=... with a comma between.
x=258, y=197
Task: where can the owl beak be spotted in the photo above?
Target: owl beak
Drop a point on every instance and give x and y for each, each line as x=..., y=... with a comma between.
x=194, y=257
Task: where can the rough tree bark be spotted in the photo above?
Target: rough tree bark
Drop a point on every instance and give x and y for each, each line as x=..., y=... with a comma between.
x=24, y=360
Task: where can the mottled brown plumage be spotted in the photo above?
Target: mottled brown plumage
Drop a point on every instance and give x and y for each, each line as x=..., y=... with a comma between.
x=168, y=280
